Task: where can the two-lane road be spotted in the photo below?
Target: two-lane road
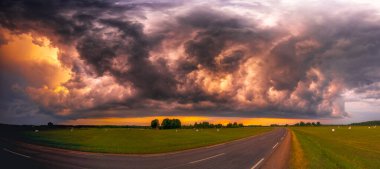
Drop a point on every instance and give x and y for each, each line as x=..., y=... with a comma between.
x=245, y=153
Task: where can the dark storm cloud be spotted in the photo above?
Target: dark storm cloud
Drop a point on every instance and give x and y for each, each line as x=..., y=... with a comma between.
x=153, y=81
x=350, y=47
x=216, y=31
x=225, y=63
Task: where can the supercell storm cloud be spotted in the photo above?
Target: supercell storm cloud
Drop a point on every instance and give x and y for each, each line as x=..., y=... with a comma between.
x=216, y=58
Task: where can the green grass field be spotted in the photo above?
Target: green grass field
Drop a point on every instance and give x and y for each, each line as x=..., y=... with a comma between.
x=137, y=141
x=319, y=147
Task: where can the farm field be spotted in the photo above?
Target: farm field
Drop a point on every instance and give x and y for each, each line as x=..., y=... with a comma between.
x=137, y=141
x=319, y=147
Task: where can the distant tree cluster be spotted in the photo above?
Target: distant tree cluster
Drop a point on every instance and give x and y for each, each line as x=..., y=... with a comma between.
x=234, y=125
x=166, y=124
x=367, y=123
x=308, y=124
x=279, y=125
x=171, y=124
x=206, y=124
x=176, y=123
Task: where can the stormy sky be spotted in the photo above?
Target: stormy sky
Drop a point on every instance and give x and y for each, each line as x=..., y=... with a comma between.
x=71, y=59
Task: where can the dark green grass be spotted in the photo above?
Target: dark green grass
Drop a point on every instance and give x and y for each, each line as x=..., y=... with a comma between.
x=137, y=141
x=344, y=148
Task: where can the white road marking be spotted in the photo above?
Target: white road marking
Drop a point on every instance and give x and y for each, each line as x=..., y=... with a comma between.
x=206, y=158
x=16, y=153
x=275, y=145
x=258, y=163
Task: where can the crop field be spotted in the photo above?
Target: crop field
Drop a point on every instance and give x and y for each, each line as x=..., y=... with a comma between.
x=137, y=141
x=320, y=147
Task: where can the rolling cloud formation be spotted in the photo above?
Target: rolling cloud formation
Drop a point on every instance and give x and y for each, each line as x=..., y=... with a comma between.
x=219, y=58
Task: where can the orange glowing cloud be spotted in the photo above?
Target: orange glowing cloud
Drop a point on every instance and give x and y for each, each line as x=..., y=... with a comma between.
x=35, y=59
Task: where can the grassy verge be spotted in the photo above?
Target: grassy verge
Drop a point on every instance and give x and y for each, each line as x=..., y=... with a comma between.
x=298, y=160
x=137, y=141
x=344, y=148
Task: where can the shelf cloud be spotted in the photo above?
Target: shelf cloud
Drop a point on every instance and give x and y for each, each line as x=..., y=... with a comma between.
x=217, y=58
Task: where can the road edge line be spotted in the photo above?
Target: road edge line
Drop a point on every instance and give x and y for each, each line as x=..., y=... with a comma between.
x=19, y=154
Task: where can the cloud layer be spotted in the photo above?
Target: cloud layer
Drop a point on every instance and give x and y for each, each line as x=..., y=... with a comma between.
x=220, y=58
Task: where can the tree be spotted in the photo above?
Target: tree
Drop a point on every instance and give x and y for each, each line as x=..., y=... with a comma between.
x=177, y=123
x=318, y=123
x=155, y=124
x=241, y=125
x=195, y=125
x=302, y=123
x=50, y=124
x=205, y=124
x=235, y=125
x=166, y=124
x=229, y=125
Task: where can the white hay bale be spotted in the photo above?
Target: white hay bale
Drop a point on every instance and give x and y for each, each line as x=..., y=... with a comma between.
x=349, y=128
x=36, y=131
x=332, y=130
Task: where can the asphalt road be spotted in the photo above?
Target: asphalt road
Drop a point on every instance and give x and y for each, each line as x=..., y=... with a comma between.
x=247, y=153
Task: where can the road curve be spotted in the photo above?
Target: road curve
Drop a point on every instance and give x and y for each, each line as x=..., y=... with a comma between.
x=246, y=153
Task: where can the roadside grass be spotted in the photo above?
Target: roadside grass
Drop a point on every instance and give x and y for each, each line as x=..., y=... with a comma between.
x=137, y=141
x=344, y=148
x=298, y=160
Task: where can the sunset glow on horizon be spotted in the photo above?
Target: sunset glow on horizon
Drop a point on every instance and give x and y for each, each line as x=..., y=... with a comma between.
x=185, y=120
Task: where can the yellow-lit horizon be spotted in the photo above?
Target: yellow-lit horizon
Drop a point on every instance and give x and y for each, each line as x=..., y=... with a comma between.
x=185, y=120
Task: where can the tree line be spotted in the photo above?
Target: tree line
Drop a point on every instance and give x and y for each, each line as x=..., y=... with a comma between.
x=308, y=124
x=176, y=123
x=367, y=123
x=166, y=124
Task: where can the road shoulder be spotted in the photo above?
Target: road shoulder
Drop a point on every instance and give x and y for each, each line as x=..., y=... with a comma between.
x=281, y=156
